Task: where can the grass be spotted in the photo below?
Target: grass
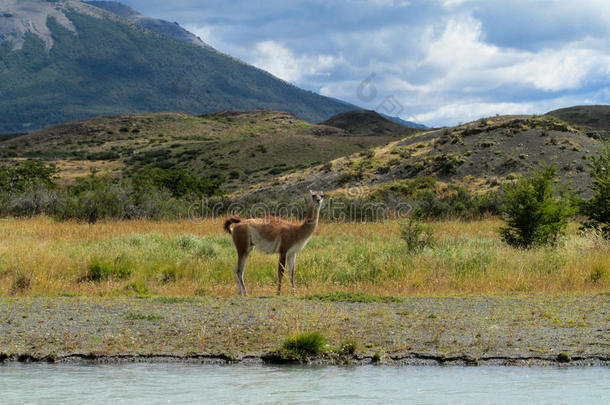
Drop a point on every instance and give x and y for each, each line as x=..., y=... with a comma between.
x=342, y=262
x=344, y=296
x=304, y=345
x=133, y=316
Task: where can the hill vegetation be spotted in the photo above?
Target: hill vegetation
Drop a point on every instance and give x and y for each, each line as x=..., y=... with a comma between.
x=244, y=147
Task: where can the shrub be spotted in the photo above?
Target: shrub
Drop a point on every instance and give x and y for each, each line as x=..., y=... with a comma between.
x=100, y=270
x=304, y=345
x=27, y=175
x=21, y=283
x=417, y=236
x=598, y=208
x=177, y=181
x=533, y=213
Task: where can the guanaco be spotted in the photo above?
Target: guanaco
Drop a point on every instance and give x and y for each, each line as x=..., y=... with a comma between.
x=273, y=235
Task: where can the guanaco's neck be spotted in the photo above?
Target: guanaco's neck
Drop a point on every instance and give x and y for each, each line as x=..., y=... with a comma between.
x=311, y=219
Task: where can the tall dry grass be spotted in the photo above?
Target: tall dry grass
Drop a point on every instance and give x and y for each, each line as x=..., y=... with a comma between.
x=42, y=257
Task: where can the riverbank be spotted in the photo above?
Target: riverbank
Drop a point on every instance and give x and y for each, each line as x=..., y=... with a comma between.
x=507, y=330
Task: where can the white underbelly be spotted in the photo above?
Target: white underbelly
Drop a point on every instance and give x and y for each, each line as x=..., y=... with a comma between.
x=297, y=247
x=262, y=244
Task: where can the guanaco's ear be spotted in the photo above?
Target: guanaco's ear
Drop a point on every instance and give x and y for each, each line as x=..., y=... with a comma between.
x=311, y=192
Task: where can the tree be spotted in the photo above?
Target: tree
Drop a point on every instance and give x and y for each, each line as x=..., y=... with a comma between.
x=598, y=208
x=535, y=211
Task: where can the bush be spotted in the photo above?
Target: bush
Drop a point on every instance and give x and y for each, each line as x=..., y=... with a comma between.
x=101, y=270
x=304, y=345
x=178, y=182
x=533, y=213
x=457, y=203
x=27, y=175
x=598, y=208
x=417, y=236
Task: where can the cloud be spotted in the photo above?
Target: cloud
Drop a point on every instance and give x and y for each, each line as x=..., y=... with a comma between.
x=444, y=61
x=281, y=62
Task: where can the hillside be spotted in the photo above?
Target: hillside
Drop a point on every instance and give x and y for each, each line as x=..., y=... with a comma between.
x=368, y=123
x=245, y=146
x=66, y=60
x=479, y=155
x=592, y=118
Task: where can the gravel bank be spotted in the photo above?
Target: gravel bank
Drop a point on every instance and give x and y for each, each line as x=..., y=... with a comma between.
x=528, y=330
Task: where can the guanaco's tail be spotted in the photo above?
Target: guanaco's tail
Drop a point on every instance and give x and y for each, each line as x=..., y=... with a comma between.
x=230, y=221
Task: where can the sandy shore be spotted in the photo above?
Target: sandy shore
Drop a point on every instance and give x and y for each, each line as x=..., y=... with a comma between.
x=528, y=330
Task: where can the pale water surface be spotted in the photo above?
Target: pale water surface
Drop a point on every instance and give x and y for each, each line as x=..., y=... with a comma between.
x=181, y=384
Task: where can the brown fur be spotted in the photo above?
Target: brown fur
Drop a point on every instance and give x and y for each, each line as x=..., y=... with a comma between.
x=273, y=235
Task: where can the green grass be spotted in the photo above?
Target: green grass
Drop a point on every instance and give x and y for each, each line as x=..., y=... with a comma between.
x=302, y=346
x=134, y=316
x=344, y=296
x=101, y=270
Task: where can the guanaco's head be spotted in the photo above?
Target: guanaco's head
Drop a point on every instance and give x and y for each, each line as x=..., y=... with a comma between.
x=317, y=197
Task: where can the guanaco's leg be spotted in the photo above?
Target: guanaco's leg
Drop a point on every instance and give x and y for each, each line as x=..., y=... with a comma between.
x=281, y=266
x=290, y=263
x=241, y=240
x=239, y=273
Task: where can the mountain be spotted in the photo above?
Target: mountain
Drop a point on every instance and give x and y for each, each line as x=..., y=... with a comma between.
x=594, y=118
x=65, y=60
x=479, y=155
x=367, y=123
x=409, y=124
x=245, y=146
x=172, y=30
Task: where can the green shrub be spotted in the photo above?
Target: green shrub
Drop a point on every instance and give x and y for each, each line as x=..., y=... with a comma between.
x=26, y=175
x=457, y=203
x=178, y=182
x=417, y=236
x=100, y=270
x=598, y=207
x=304, y=345
x=533, y=213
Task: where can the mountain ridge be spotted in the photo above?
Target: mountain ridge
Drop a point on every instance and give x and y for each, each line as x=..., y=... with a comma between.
x=96, y=63
x=173, y=30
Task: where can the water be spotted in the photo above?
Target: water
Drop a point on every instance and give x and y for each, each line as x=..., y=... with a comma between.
x=181, y=384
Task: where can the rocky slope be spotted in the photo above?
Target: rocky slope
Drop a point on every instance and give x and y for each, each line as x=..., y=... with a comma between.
x=479, y=155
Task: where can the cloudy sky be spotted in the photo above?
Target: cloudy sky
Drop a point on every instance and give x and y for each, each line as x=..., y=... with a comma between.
x=437, y=62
